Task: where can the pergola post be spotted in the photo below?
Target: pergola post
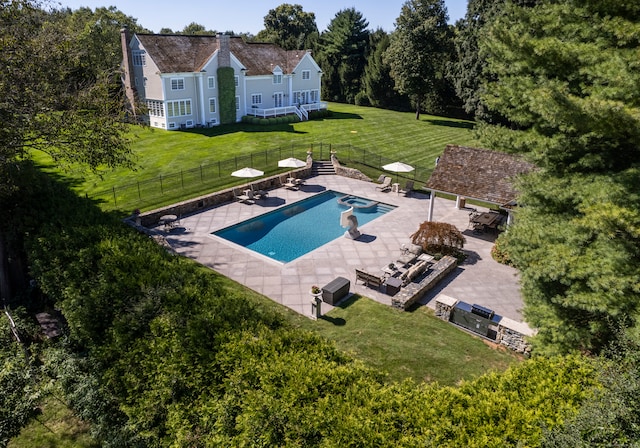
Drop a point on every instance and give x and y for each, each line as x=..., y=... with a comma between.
x=432, y=201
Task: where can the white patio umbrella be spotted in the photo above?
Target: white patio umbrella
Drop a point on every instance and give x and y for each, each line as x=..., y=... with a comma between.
x=291, y=162
x=247, y=172
x=398, y=167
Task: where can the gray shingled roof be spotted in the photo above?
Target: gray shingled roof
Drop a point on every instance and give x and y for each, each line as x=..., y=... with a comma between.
x=478, y=173
x=188, y=54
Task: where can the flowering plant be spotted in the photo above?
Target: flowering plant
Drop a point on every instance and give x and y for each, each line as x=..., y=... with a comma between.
x=392, y=266
x=315, y=289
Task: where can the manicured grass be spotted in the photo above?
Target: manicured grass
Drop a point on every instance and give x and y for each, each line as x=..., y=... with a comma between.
x=388, y=134
x=403, y=344
x=56, y=427
x=412, y=344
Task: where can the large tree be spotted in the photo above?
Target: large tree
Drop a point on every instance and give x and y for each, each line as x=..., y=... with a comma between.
x=51, y=101
x=377, y=82
x=419, y=50
x=290, y=27
x=342, y=55
x=569, y=84
x=469, y=71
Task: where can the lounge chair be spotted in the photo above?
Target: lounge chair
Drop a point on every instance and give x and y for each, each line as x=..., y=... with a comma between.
x=244, y=197
x=258, y=194
x=291, y=184
x=407, y=188
x=385, y=185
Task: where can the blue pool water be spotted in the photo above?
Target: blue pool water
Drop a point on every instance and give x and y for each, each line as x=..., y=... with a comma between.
x=292, y=231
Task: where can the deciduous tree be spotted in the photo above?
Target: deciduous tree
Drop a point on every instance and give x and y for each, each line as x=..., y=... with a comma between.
x=289, y=27
x=420, y=49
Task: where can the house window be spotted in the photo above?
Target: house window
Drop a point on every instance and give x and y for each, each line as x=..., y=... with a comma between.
x=237, y=103
x=212, y=105
x=256, y=99
x=139, y=58
x=237, y=80
x=177, y=83
x=314, y=96
x=155, y=108
x=212, y=82
x=178, y=108
x=277, y=79
x=296, y=97
x=306, y=74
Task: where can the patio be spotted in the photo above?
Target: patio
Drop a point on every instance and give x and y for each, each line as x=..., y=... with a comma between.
x=478, y=280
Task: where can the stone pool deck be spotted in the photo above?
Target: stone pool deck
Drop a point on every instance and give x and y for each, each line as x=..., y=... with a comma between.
x=478, y=280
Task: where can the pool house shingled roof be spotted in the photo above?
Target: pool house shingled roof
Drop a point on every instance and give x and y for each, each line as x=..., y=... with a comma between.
x=478, y=173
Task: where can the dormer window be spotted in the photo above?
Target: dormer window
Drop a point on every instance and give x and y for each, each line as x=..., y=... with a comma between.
x=139, y=58
x=306, y=74
x=277, y=78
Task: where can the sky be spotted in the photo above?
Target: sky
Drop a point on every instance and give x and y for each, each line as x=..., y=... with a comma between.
x=248, y=15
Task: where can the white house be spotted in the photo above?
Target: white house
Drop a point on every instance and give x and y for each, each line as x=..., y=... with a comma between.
x=177, y=77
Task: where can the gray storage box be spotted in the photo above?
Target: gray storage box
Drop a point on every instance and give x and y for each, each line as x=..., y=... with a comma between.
x=336, y=290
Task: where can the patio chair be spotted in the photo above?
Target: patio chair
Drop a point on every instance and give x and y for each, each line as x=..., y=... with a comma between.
x=259, y=194
x=473, y=214
x=386, y=185
x=244, y=197
x=408, y=187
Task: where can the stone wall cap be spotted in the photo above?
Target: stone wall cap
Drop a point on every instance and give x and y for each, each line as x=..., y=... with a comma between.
x=520, y=327
x=446, y=300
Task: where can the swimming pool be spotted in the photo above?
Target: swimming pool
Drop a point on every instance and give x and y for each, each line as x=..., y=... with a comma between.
x=292, y=231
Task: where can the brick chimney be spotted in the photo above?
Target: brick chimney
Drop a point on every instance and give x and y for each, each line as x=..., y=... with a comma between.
x=127, y=70
x=224, y=54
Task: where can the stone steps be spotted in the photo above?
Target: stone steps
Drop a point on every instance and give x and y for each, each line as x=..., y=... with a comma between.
x=321, y=168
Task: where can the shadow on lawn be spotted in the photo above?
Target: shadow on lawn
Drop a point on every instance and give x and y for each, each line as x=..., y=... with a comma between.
x=452, y=124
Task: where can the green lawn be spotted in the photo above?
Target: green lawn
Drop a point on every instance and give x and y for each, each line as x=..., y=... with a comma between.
x=388, y=134
x=412, y=344
x=403, y=344
x=57, y=427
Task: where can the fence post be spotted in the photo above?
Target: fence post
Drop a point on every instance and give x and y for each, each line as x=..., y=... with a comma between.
x=115, y=200
x=161, y=189
x=139, y=197
x=182, y=178
x=201, y=175
x=219, y=168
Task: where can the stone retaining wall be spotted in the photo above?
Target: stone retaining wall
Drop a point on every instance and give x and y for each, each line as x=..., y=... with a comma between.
x=409, y=294
x=512, y=334
x=351, y=173
x=198, y=204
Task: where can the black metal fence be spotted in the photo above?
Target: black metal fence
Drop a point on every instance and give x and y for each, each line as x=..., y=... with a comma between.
x=215, y=175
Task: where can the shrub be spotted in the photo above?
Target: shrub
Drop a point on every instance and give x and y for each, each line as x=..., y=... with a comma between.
x=439, y=237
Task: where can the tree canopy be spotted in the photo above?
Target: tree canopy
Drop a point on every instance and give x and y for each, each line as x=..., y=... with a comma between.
x=51, y=100
x=342, y=56
x=289, y=26
x=566, y=79
x=419, y=49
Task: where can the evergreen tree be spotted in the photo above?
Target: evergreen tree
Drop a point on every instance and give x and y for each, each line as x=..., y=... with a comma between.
x=568, y=84
x=377, y=81
x=419, y=50
x=342, y=55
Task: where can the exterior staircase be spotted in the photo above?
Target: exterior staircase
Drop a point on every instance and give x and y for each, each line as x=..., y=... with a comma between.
x=321, y=168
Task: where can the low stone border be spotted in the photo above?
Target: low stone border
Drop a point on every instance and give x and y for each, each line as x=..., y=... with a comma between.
x=409, y=294
x=198, y=204
x=351, y=173
x=512, y=334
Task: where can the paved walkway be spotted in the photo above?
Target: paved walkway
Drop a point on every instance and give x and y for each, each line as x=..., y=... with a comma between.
x=478, y=280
